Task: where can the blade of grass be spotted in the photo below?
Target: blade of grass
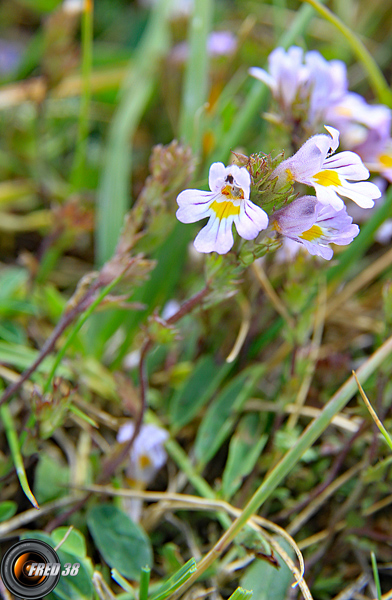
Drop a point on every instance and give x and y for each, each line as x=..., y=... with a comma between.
x=292, y=457
x=375, y=75
x=123, y=582
x=87, y=54
x=241, y=594
x=144, y=583
x=113, y=196
x=174, y=582
x=196, y=76
x=373, y=413
x=376, y=575
x=13, y=443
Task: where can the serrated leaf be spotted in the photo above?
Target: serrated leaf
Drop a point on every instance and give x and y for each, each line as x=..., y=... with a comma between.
x=121, y=542
x=196, y=392
x=244, y=451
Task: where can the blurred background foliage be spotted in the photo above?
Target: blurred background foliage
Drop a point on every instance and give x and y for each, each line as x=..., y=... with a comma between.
x=85, y=97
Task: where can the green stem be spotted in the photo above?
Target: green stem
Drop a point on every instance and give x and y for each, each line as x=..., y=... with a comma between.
x=144, y=583
x=376, y=78
x=77, y=327
x=13, y=443
x=376, y=575
x=87, y=55
x=196, y=76
x=293, y=456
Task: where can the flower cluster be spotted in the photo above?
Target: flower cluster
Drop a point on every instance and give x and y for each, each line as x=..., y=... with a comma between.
x=308, y=86
x=314, y=222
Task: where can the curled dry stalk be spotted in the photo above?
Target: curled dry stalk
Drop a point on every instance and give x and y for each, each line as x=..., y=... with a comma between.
x=174, y=501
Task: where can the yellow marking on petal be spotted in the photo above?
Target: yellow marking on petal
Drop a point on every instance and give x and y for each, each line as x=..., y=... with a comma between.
x=327, y=178
x=223, y=210
x=314, y=233
x=233, y=192
x=276, y=226
x=144, y=461
x=344, y=111
x=385, y=160
x=290, y=175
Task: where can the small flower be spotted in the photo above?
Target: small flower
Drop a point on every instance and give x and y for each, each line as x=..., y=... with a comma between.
x=148, y=454
x=286, y=74
x=295, y=78
x=315, y=226
x=355, y=118
x=376, y=152
x=227, y=203
x=330, y=175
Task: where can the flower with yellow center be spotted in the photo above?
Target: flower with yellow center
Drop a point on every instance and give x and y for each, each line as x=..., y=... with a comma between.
x=315, y=226
x=227, y=203
x=331, y=175
x=147, y=455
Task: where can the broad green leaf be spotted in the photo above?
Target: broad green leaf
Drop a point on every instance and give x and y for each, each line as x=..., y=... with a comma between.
x=78, y=587
x=74, y=544
x=7, y=510
x=244, y=451
x=51, y=479
x=196, y=392
x=221, y=414
x=10, y=280
x=268, y=582
x=121, y=542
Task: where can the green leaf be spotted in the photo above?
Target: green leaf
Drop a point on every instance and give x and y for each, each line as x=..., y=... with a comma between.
x=13, y=442
x=79, y=587
x=74, y=544
x=51, y=479
x=122, y=543
x=7, y=510
x=174, y=582
x=244, y=450
x=196, y=392
x=241, y=594
x=220, y=417
x=267, y=582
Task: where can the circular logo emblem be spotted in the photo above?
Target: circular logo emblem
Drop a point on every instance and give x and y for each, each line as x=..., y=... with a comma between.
x=30, y=569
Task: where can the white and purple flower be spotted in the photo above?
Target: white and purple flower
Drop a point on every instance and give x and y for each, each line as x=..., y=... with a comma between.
x=331, y=175
x=227, y=203
x=297, y=78
x=286, y=74
x=315, y=226
x=148, y=454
